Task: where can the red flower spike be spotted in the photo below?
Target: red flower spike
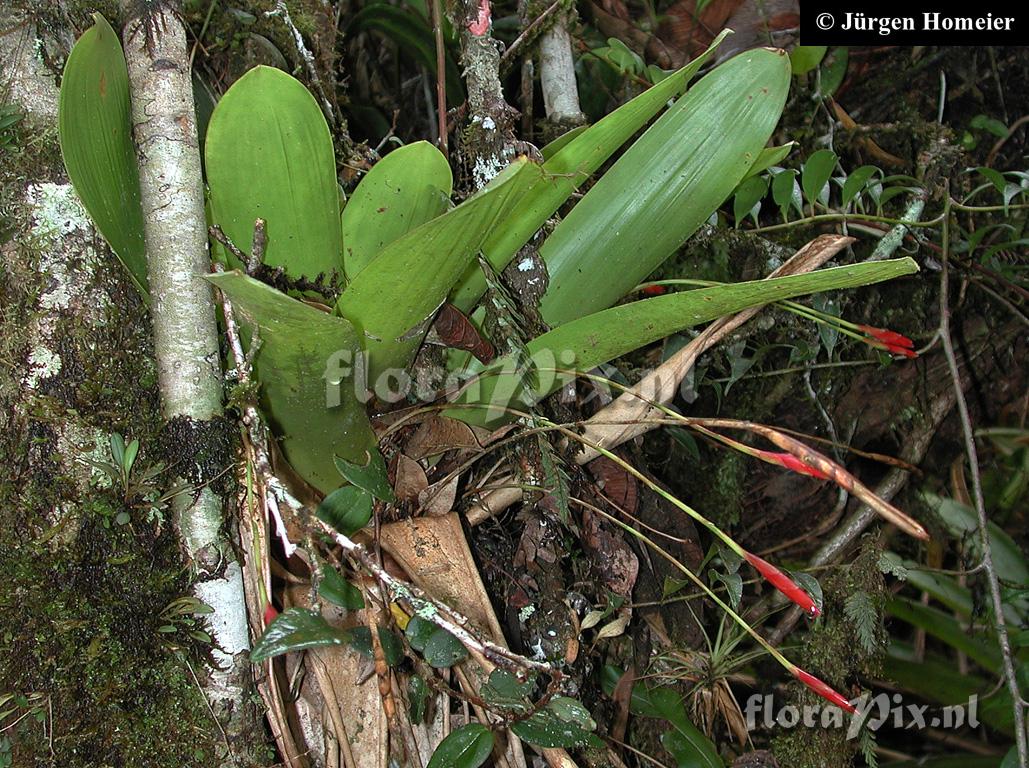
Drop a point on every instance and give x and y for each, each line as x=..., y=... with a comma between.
x=655, y=290
x=784, y=584
x=823, y=690
x=891, y=338
x=791, y=462
x=891, y=341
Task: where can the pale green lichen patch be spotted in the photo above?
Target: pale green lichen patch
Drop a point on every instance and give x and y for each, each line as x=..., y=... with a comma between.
x=60, y=226
x=97, y=448
x=42, y=363
x=56, y=211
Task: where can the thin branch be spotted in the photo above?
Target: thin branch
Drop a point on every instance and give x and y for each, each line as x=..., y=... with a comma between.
x=1000, y=622
x=441, y=73
x=527, y=34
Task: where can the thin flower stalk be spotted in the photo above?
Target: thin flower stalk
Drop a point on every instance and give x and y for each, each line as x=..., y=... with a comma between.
x=820, y=687
x=775, y=577
x=879, y=338
x=811, y=458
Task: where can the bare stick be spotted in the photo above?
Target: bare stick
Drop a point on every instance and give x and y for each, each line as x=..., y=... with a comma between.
x=1000, y=624
x=441, y=74
x=186, y=334
x=275, y=491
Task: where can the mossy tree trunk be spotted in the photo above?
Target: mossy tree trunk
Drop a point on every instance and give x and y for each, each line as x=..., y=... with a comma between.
x=92, y=568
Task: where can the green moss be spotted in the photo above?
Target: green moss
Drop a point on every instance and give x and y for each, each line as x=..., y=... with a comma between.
x=721, y=494
x=82, y=622
x=836, y=652
x=82, y=596
x=200, y=450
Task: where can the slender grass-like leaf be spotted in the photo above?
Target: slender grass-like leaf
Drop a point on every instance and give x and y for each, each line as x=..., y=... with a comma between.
x=946, y=628
x=665, y=185
x=408, y=187
x=269, y=155
x=573, y=161
x=589, y=341
x=940, y=680
x=393, y=299
x=303, y=366
x=95, y=126
x=414, y=38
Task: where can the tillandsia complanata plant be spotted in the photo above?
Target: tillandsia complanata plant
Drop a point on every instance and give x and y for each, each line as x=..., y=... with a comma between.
x=334, y=299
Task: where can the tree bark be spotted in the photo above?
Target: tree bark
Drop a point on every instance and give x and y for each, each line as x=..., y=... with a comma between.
x=87, y=574
x=186, y=337
x=557, y=77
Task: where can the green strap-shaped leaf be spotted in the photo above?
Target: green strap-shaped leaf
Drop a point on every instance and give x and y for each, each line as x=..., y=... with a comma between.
x=575, y=158
x=304, y=365
x=295, y=630
x=589, y=341
x=665, y=185
x=408, y=187
x=393, y=299
x=768, y=157
x=950, y=593
x=686, y=743
x=562, y=141
x=95, y=125
x=269, y=155
x=961, y=520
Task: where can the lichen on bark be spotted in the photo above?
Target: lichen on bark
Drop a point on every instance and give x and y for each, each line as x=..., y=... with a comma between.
x=80, y=609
